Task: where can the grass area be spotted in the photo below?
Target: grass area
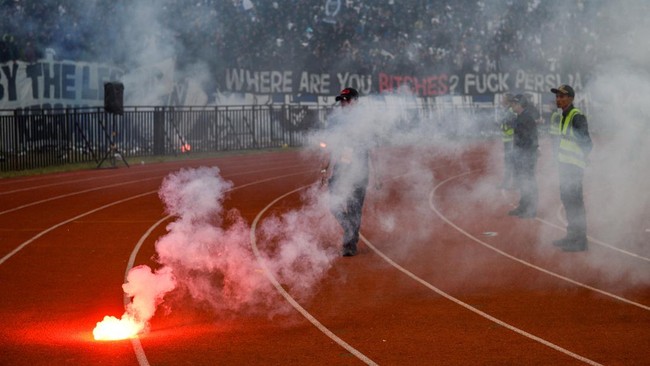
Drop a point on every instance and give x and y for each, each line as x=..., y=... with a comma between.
x=133, y=160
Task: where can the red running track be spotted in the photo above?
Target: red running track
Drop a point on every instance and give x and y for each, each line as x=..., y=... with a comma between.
x=444, y=276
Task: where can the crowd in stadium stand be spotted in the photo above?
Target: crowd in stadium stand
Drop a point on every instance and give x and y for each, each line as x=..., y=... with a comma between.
x=362, y=36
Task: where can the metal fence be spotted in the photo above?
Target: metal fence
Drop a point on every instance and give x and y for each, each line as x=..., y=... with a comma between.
x=38, y=138
x=35, y=138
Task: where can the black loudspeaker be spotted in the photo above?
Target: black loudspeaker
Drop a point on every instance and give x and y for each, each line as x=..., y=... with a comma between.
x=114, y=97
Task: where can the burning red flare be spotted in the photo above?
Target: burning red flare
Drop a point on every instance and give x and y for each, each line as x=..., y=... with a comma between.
x=186, y=148
x=113, y=329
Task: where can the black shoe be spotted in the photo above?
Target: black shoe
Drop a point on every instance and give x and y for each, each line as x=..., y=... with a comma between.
x=528, y=215
x=349, y=251
x=561, y=242
x=575, y=246
x=516, y=212
x=571, y=244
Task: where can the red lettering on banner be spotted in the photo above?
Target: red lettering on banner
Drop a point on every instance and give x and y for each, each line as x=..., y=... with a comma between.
x=384, y=82
x=422, y=87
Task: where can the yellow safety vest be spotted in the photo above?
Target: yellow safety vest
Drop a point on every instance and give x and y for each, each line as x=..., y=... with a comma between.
x=507, y=131
x=570, y=152
x=555, y=122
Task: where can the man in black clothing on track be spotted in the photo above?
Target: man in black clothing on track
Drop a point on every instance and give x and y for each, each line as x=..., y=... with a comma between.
x=348, y=180
x=525, y=146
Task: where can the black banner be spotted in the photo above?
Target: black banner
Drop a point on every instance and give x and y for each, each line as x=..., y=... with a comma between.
x=329, y=84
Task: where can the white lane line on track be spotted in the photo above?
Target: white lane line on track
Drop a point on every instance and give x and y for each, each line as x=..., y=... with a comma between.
x=117, y=185
x=157, y=169
x=528, y=264
x=475, y=310
x=288, y=297
x=135, y=342
x=53, y=185
x=137, y=346
x=560, y=217
x=102, y=177
x=73, y=194
x=602, y=243
x=161, y=169
x=52, y=228
x=333, y=336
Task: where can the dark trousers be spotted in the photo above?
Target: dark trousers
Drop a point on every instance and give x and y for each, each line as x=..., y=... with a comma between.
x=349, y=216
x=508, y=164
x=525, y=181
x=571, y=177
x=555, y=141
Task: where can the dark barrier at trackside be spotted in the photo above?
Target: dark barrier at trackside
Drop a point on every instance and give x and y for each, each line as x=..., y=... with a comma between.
x=37, y=138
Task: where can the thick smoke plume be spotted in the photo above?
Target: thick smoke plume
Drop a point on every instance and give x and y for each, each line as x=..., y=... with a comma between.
x=616, y=189
x=207, y=248
x=206, y=255
x=147, y=289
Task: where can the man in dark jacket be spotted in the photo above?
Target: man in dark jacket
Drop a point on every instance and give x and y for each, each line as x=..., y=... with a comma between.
x=349, y=167
x=507, y=116
x=525, y=146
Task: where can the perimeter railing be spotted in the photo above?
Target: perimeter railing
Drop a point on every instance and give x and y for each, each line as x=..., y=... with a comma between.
x=36, y=138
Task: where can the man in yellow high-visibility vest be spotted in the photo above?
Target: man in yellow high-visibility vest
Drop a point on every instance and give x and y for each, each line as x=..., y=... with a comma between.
x=575, y=146
x=554, y=129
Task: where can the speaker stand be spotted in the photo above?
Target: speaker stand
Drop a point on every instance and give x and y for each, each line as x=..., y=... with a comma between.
x=112, y=156
x=113, y=153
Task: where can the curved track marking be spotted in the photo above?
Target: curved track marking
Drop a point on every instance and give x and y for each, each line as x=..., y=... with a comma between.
x=323, y=329
x=136, y=249
x=117, y=185
x=160, y=169
x=51, y=228
x=473, y=309
x=528, y=264
x=36, y=178
x=601, y=243
x=135, y=342
x=561, y=218
x=288, y=297
x=54, y=184
x=137, y=345
x=72, y=194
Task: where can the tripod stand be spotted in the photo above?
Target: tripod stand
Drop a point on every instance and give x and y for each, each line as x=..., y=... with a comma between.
x=113, y=153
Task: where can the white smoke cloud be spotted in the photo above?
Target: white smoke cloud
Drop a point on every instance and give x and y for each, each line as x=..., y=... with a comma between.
x=616, y=189
x=195, y=194
x=611, y=36
x=303, y=245
x=147, y=289
x=397, y=137
x=207, y=248
x=207, y=255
